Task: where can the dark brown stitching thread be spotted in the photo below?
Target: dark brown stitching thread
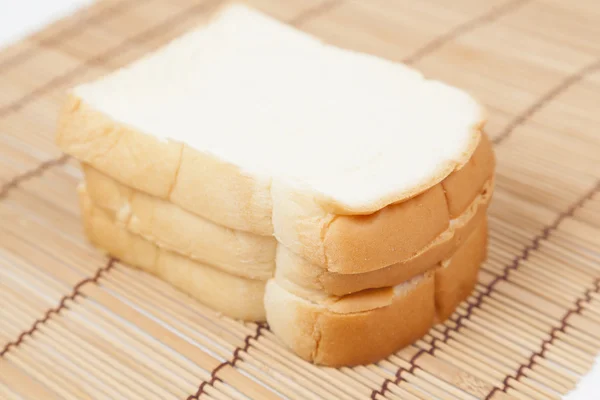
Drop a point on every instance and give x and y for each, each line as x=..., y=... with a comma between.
x=37, y=171
x=314, y=12
x=480, y=296
x=29, y=52
x=542, y=101
x=535, y=244
x=465, y=27
x=61, y=305
x=398, y=377
x=65, y=77
x=513, y=266
x=545, y=234
x=468, y=311
x=236, y=357
x=520, y=372
x=45, y=165
x=101, y=59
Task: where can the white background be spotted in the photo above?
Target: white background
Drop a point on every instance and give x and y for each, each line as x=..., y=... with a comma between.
x=18, y=18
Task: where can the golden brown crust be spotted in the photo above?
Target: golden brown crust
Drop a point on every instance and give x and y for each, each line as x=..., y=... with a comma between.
x=223, y=193
x=319, y=330
x=140, y=161
x=253, y=256
x=165, y=169
x=333, y=339
x=362, y=243
x=298, y=270
x=236, y=297
x=464, y=184
x=173, y=228
x=456, y=278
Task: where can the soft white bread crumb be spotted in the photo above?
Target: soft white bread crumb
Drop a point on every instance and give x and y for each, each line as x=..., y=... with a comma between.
x=352, y=129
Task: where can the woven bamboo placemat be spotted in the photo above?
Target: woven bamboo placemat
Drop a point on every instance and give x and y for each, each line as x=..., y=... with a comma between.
x=76, y=325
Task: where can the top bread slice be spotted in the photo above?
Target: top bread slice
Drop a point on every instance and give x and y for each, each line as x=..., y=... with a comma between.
x=261, y=128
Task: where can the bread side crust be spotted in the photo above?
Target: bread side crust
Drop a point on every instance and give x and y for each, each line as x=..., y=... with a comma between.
x=338, y=339
x=175, y=229
x=236, y=297
x=390, y=235
x=471, y=251
x=456, y=277
x=223, y=193
x=252, y=256
x=462, y=186
x=140, y=161
x=296, y=269
x=321, y=331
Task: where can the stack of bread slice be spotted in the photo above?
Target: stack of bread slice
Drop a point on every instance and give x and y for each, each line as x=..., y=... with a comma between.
x=337, y=195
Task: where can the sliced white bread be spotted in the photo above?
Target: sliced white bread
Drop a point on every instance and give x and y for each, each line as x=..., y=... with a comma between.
x=173, y=228
x=234, y=296
x=366, y=326
x=261, y=128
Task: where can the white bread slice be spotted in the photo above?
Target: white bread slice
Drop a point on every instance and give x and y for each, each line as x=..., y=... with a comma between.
x=173, y=228
x=314, y=277
x=234, y=296
x=320, y=335
x=261, y=128
x=367, y=326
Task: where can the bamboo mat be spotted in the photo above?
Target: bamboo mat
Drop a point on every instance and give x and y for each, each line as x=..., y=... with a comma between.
x=74, y=325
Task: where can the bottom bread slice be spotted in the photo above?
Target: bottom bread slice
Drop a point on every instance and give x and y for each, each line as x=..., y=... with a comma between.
x=326, y=337
x=367, y=326
x=234, y=296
